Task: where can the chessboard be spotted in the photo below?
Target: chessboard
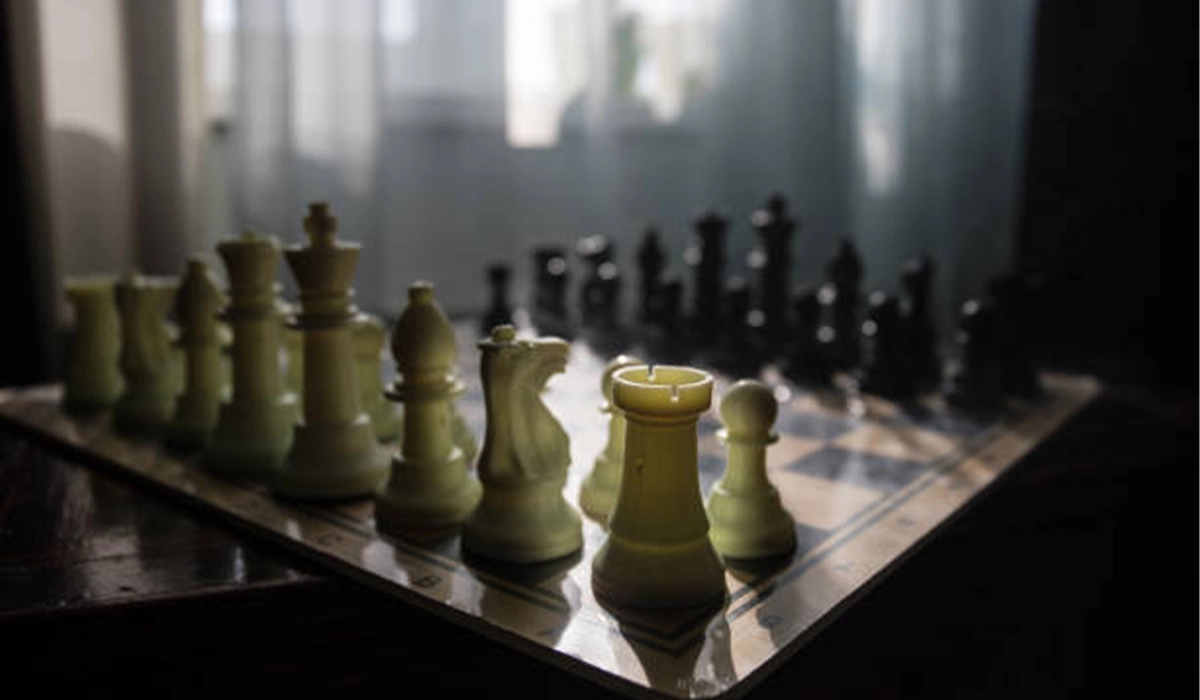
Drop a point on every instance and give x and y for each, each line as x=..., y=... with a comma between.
x=866, y=480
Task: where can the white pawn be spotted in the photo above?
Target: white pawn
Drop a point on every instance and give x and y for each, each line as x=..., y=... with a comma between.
x=599, y=490
x=744, y=512
x=368, y=355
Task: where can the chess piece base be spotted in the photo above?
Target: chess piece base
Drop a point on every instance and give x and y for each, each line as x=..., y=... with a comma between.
x=523, y=524
x=252, y=440
x=657, y=576
x=333, y=462
x=751, y=526
x=147, y=409
x=84, y=404
x=196, y=417
x=424, y=496
x=92, y=390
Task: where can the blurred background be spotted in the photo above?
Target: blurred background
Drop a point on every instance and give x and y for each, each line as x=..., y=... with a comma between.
x=1054, y=139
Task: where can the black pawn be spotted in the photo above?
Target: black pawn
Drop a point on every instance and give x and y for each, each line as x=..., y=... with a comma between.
x=650, y=259
x=550, y=314
x=707, y=260
x=771, y=261
x=919, y=335
x=975, y=382
x=498, y=312
x=737, y=351
x=600, y=295
x=839, y=300
x=550, y=264
x=883, y=370
x=1018, y=373
x=806, y=363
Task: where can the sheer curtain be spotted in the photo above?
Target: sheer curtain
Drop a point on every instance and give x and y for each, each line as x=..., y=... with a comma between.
x=449, y=134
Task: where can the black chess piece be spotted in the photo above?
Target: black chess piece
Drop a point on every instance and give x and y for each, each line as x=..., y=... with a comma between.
x=1018, y=373
x=805, y=362
x=550, y=314
x=839, y=301
x=975, y=382
x=650, y=267
x=919, y=335
x=707, y=260
x=771, y=260
x=737, y=351
x=668, y=339
x=600, y=296
x=498, y=312
x=883, y=370
x=550, y=264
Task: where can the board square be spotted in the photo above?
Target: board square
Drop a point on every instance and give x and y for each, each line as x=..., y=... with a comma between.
x=903, y=442
x=868, y=471
x=932, y=415
x=818, y=503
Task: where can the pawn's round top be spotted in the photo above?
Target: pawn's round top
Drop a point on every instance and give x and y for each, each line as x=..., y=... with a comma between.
x=423, y=339
x=748, y=410
x=606, y=380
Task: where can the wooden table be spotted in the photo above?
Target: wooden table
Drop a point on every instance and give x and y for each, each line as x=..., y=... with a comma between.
x=1066, y=578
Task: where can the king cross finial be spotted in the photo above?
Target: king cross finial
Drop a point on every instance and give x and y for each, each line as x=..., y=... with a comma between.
x=320, y=224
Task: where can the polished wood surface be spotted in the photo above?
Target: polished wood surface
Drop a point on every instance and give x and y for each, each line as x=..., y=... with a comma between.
x=1065, y=579
x=72, y=538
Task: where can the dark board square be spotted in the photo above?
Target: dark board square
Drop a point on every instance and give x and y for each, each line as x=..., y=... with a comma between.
x=858, y=468
x=808, y=538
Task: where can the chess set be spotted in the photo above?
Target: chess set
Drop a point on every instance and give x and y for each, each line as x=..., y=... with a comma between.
x=662, y=529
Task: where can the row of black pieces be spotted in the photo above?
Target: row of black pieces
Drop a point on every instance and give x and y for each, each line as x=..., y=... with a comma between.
x=822, y=335
x=661, y=296
x=892, y=350
x=723, y=325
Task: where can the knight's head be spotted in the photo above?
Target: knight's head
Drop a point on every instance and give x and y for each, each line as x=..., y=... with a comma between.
x=529, y=362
